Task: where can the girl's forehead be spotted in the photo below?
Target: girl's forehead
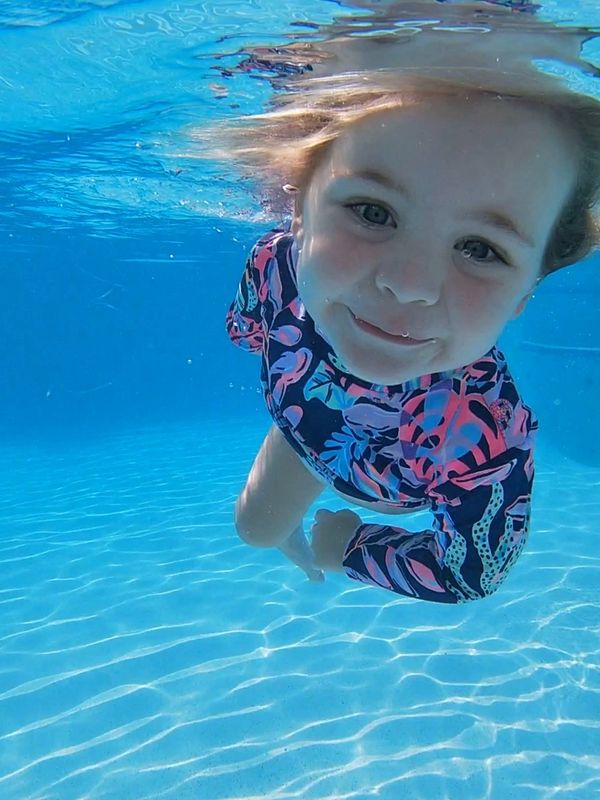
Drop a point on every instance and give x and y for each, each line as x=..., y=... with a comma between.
x=432, y=116
x=484, y=130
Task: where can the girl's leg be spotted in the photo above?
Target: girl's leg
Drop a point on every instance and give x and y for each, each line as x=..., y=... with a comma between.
x=277, y=493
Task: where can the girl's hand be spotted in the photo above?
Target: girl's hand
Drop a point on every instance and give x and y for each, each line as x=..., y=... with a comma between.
x=298, y=550
x=331, y=532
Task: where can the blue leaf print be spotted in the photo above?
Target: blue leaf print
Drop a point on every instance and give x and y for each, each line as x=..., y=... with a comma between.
x=321, y=387
x=342, y=450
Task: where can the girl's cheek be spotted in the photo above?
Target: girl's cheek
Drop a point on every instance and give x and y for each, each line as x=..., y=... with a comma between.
x=342, y=256
x=476, y=306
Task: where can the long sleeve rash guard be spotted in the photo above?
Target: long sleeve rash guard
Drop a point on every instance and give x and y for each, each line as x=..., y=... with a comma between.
x=458, y=443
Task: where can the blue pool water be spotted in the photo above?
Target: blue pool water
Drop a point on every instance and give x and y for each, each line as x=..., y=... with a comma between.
x=145, y=652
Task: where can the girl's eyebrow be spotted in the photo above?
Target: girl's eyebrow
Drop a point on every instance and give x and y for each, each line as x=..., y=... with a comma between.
x=375, y=176
x=494, y=219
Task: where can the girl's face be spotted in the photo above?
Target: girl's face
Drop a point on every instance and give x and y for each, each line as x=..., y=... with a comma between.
x=422, y=232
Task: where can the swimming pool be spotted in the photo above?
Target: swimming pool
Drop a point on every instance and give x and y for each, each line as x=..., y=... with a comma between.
x=145, y=651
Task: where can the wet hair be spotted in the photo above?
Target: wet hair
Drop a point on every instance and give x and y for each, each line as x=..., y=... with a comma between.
x=283, y=146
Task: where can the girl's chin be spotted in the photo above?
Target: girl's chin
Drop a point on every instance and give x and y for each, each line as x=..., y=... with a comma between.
x=382, y=368
x=379, y=362
x=370, y=372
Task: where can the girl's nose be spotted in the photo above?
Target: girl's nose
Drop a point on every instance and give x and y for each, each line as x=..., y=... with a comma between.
x=411, y=279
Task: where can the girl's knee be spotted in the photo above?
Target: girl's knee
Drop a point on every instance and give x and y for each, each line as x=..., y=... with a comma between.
x=257, y=525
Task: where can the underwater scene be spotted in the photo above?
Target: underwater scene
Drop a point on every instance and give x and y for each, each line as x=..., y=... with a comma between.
x=181, y=619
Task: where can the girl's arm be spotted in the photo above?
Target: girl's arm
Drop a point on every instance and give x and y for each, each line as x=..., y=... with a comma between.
x=244, y=318
x=481, y=522
x=260, y=292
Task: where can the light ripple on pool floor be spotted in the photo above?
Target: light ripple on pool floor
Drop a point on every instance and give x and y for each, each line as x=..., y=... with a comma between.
x=145, y=652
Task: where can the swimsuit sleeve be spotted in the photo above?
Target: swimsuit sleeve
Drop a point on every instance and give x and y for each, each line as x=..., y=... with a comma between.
x=263, y=290
x=244, y=320
x=481, y=523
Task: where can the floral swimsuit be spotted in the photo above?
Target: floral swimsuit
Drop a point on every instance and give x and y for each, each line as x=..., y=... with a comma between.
x=458, y=443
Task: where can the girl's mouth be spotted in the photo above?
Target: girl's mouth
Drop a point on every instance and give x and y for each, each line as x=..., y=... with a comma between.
x=402, y=339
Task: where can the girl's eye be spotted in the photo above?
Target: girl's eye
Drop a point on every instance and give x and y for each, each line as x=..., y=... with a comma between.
x=372, y=214
x=477, y=250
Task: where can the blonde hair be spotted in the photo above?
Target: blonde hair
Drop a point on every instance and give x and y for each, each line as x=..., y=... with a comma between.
x=284, y=145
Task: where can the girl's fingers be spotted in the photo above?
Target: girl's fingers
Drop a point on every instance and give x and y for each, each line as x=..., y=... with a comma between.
x=315, y=575
x=323, y=514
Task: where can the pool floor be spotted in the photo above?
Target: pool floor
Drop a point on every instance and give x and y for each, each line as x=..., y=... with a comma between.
x=145, y=652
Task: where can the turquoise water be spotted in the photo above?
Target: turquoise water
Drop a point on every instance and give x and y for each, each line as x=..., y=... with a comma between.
x=145, y=652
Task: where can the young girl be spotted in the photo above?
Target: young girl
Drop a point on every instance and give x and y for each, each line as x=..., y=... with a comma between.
x=424, y=217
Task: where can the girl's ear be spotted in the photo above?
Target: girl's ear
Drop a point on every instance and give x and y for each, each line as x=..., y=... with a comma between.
x=521, y=307
x=297, y=228
x=526, y=298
